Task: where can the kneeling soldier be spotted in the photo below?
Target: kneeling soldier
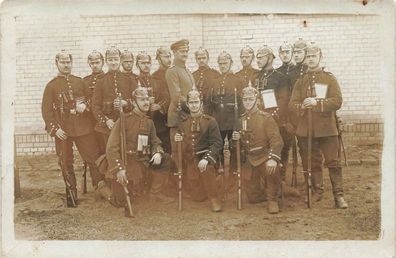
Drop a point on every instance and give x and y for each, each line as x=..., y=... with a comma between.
x=202, y=144
x=261, y=146
x=147, y=165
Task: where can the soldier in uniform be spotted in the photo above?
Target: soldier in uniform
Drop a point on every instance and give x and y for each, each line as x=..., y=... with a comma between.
x=164, y=58
x=65, y=113
x=105, y=99
x=221, y=98
x=299, y=53
x=247, y=73
x=201, y=146
x=271, y=79
x=204, y=75
x=159, y=98
x=319, y=91
x=96, y=62
x=147, y=167
x=127, y=64
x=261, y=146
x=180, y=81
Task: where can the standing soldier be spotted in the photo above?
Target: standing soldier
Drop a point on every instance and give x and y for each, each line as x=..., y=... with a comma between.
x=204, y=75
x=299, y=54
x=106, y=102
x=147, y=166
x=201, y=146
x=247, y=73
x=96, y=62
x=261, y=146
x=180, y=81
x=286, y=56
x=270, y=80
x=127, y=64
x=221, y=98
x=164, y=58
x=319, y=91
x=159, y=98
x=65, y=112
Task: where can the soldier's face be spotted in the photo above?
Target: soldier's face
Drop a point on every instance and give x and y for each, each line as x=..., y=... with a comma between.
x=144, y=65
x=262, y=60
x=181, y=54
x=313, y=60
x=249, y=102
x=299, y=56
x=165, y=60
x=224, y=65
x=113, y=62
x=194, y=105
x=285, y=56
x=246, y=59
x=96, y=65
x=127, y=65
x=202, y=59
x=64, y=65
x=143, y=104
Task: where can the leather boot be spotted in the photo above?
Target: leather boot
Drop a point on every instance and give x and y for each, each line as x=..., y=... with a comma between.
x=103, y=191
x=336, y=180
x=340, y=203
x=215, y=204
x=271, y=191
x=289, y=191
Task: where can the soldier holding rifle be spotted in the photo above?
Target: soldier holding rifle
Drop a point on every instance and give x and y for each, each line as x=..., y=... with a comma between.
x=318, y=93
x=65, y=112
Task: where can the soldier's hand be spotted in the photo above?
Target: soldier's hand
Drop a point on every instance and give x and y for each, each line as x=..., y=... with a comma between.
x=61, y=134
x=202, y=165
x=309, y=102
x=151, y=100
x=271, y=166
x=110, y=123
x=156, y=159
x=155, y=107
x=121, y=177
x=236, y=136
x=178, y=137
x=80, y=107
x=117, y=103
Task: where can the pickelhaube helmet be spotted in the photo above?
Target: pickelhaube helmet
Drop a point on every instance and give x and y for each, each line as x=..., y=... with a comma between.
x=193, y=94
x=162, y=51
x=247, y=50
x=142, y=55
x=249, y=91
x=126, y=55
x=224, y=55
x=265, y=50
x=112, y=52
x=202, y=50
x=313, y=48
x=63, y=54
x=300, y=44
x=140, y=92
x=285, y=46
x=95, y=55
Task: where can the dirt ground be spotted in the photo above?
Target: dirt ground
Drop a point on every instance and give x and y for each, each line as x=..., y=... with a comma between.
x=40, y=212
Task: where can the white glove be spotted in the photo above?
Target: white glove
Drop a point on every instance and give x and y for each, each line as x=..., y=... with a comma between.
x=271, y=166
x=156, y=159
x=202, y=165
x=61, y=134
x=178, y=137
x=110, y=123
x=309, y=102
x=80, y=107
x=121, y=177
x=236, y=136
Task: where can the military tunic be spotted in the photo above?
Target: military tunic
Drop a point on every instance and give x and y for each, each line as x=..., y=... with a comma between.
x=59, y=111
x=105, y=94
x=203, y=78
x=201, y=140
x=324, y=128
x=260, y=141
x=247, y=74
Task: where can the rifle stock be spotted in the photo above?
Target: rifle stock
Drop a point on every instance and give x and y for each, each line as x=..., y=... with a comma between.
x=238, y=154
x=179, y=173
x=84, y=186
x=294, y=153
x=309, y=165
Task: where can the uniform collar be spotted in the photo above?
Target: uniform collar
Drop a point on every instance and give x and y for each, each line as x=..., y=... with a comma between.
x=64, y=75
x=203, y=68
x=179, y=63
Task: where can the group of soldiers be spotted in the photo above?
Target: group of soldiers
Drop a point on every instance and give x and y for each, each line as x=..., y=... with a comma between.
x=163, y=134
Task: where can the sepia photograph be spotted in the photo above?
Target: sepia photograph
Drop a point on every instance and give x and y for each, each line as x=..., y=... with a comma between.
x=243, y=128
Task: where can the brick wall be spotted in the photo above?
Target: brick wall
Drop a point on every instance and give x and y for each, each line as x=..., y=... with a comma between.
x=348, y=43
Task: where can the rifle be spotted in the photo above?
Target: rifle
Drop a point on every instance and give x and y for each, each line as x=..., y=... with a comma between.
x=294, y=153
x=238, y=154
x=84, y=186
x=341, y=141
x=123, y=154
x=179, y=173
x=66, y=177
x=309, y=165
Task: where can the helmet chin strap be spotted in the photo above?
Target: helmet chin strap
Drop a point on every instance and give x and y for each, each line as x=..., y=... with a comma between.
x=138, y=106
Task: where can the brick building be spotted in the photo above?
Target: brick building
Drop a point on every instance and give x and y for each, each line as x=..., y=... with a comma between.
x=349, y=43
